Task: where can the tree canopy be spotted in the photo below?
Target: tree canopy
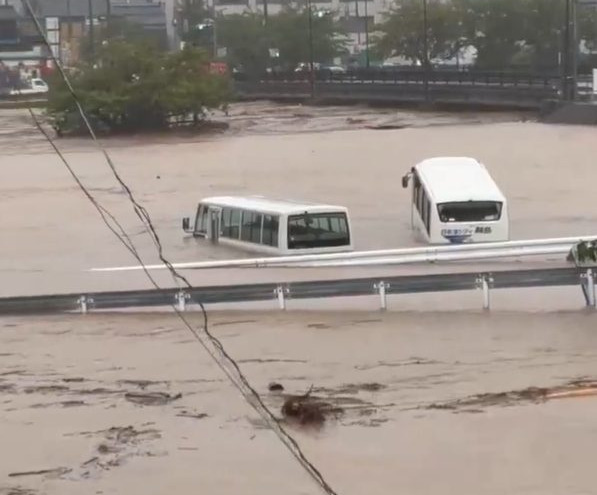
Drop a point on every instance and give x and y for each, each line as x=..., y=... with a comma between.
x=132, y=87
x=505, y=33
x=248, y=38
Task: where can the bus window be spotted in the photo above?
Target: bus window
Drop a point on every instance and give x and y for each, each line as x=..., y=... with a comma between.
x=417, y=191
x=270, y=230
x=245, y=229
x=470, y=211
x=234, y=224
x=256, y=228
x=251, y=227
x=427, y=213
x=317, y=230
x=225, y=224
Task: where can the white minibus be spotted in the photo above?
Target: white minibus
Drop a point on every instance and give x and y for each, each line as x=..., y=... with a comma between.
x=455, y=200
x=277, y=227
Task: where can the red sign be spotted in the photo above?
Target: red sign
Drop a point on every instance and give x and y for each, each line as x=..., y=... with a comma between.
x=220, y=68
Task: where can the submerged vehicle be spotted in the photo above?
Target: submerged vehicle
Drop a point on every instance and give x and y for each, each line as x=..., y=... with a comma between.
x=272, y=226
x=455, y=200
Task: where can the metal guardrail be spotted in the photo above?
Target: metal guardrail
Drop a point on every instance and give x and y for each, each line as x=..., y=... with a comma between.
x=380, y=287
x=396, y=256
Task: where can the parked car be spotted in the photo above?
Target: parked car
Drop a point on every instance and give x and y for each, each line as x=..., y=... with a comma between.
x=36, y=86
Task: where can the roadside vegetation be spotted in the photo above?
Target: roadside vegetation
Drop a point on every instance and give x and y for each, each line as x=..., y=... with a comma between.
x=128, y=85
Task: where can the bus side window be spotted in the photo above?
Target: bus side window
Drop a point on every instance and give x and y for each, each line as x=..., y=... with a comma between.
x=245, y=227
x=234, y=224
x=256, y=228
x=417, y=193
x=225, y=223
x=426, y=213
x=270, y=230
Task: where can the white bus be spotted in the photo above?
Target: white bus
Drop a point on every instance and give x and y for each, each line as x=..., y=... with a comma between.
x=272, y=226
x=455, y=200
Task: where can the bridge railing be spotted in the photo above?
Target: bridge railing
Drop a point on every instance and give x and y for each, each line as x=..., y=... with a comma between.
x=415, y=76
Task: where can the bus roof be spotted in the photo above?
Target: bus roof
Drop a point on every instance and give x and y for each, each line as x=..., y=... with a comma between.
x=280, y=206
x=458, y=179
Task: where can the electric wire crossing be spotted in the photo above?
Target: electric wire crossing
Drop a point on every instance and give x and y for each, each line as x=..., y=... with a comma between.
x=232, y=371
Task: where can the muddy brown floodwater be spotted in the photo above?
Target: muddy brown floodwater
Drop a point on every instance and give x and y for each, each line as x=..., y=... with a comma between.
x=433, y=396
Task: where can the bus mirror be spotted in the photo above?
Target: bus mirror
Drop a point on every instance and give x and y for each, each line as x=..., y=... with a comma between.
x=185, y=224
x=405, y=179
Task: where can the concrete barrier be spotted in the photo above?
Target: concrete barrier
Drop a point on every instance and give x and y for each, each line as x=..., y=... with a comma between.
x=576, y=113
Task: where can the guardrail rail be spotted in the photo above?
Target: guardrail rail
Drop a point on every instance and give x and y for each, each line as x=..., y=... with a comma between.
x=380, y=287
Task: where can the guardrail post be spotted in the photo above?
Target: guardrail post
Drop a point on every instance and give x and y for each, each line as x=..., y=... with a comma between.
x=381, y=289
x=83, y=303
x=280, y=292
x=484, y=283
x=181, y=300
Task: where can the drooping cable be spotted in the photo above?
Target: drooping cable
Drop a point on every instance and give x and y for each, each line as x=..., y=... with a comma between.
x=235, y=375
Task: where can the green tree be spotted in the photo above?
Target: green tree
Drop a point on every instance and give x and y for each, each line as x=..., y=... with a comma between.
x=289, y=33
x=495, y=28
x=132, y=88
x=189, y=15
x=119, y=29
x=505, y=33
x=248, y=39
x=402, y=32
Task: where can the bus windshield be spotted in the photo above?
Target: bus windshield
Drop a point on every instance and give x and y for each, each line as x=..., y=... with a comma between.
x=470, y=211
x=317, y=230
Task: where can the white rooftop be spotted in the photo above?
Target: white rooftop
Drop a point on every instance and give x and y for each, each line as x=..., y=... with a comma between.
x=270, y=205
x=458, y=178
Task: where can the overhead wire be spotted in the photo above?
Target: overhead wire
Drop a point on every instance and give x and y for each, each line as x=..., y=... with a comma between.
x=236, y=376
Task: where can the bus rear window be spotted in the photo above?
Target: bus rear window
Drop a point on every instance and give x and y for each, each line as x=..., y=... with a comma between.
x=470, y=211
x=318, y=230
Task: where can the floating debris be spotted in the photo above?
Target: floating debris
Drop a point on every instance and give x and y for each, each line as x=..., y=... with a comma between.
x=386, y=127
x=308, y=410
x=572, y=389
x=41, y=472
x=187, y=414
x=275, y=387
x=151, y=398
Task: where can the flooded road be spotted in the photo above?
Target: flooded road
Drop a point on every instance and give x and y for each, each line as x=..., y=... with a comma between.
x=70, y=417
x=547, y=172
x=67, y=386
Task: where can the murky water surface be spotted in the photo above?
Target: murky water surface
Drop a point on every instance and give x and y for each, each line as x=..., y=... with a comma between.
x=71, y=420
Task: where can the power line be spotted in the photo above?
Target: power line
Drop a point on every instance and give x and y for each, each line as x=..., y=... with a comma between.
x=235, y=375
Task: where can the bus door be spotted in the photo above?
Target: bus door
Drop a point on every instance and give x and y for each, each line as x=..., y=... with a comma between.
x=214, y=214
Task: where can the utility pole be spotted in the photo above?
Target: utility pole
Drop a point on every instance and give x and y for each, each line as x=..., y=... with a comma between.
x=566, y=53
x=91, y=33
x=357, y=17
x=108, y=14
x=214, y=34
x=265, y=12
x=574, y=43
x=311, y=64
x=426, y=51
x=367, y=61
